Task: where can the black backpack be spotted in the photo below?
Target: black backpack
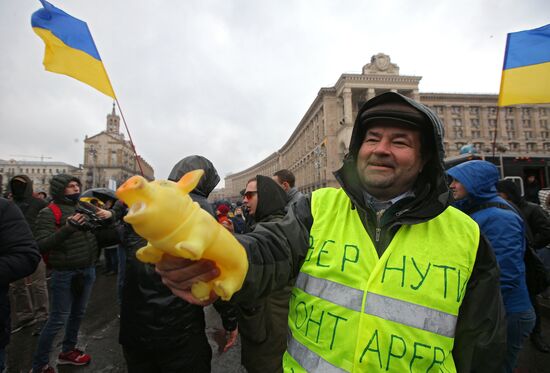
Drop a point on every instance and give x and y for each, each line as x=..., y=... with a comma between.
x=537, y=276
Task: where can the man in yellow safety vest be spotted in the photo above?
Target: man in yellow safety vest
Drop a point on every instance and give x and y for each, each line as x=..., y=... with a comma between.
x=389, y=276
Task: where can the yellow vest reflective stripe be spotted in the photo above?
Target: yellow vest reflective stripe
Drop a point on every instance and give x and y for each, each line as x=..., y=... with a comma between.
x=334, y=292
x=307, y=359
x=411, y=314
x=353, y=311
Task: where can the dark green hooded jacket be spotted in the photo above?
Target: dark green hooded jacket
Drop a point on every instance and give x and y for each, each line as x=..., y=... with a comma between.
x=67, y=247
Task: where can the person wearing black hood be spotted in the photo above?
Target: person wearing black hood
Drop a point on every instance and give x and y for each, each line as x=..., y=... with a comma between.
x=63, y=234
x=19, y=257
x=29, y=295
x=390, y=277
x=263, y=323
x=538, y=236
x=160, y=332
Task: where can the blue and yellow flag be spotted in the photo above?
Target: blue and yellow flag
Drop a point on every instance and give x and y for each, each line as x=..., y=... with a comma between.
x=526, y=72
x=70, y=49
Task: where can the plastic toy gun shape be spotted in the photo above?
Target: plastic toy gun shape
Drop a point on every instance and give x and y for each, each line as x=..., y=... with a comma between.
x=162, y=212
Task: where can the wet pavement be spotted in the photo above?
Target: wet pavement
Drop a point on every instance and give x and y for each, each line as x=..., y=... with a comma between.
x=99, y=337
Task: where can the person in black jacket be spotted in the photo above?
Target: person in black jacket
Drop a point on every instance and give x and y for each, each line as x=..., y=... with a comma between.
x=18, y=258
x=29, y=295
x=160, y=332
x=72, y=251
x=538, y=236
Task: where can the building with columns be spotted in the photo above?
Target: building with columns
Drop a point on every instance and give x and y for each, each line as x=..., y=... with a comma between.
x=320, y=141
x=109, y=159
x=40, y=172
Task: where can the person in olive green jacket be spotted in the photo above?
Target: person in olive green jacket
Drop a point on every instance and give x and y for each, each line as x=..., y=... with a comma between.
x=263, y=322
x=71, y=248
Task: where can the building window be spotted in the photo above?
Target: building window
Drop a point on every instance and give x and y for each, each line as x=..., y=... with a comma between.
x=492, y=133
x=542, y=112
x=458, y=132
x=511, y=135
x=456, y=110
x=509, y=111
x=32, y=170
x=546, y=146
x=544, y=134
x=474, y=123
x=474, y=110
x=457, y=122
x=526, y=112
x=438, y=109
x=526, y=123
x=476, y=134
x=528, y=134
x=50, y=171
x=492, y=123
x=513, y=146
x=492, y=110
x=459, y=145
x=544, y=124
x=509, y=124
x=479, y=146
x=531, y=147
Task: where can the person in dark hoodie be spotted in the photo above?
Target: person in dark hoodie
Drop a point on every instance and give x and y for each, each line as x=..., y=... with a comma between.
x=19, y=257
x=160, y=332
x=64, y=235
x=474, y=189
x=263, y=323
x=390, y=276
x=29, y=295
x=538, y=236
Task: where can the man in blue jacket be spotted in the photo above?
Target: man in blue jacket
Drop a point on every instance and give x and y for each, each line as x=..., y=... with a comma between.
x=474, y=189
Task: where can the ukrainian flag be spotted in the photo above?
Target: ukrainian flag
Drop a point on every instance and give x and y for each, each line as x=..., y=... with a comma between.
x=526, y=73
x=70, y=49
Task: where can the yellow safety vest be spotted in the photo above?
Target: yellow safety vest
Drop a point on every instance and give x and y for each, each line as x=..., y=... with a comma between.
x=351, y=311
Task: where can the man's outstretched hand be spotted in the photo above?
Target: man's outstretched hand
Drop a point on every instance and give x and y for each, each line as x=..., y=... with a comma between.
x=180, y=274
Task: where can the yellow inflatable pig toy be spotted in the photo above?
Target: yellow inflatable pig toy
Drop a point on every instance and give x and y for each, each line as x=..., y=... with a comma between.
x=163, y=213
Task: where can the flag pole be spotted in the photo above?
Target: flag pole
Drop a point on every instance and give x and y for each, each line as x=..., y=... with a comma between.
x=129, y=136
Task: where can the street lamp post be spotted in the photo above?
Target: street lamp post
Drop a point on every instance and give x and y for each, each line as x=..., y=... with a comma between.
x=93, y=153
x=319, y=153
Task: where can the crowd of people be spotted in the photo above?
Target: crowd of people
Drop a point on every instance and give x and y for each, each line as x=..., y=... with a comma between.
x=406, y=267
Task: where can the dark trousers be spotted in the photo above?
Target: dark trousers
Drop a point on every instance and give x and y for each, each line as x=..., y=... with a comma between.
x=194, y=356
x=536, y=306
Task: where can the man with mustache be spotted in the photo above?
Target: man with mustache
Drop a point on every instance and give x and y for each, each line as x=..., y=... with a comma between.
x=390, y=277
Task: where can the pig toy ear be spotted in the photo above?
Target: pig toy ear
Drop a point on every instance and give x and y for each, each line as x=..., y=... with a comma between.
x=189, y=181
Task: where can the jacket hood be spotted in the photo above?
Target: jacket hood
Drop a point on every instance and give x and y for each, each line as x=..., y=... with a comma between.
x=431, y=187
x=511, y=189
x=479, y=178
x=271, y=198
x=195, y=162
x=21, y=193
x=58, y=183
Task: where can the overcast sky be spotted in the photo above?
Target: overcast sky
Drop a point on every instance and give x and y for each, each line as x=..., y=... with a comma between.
x=231, y=79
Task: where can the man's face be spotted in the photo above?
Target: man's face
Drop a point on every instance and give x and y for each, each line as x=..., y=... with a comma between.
x=250, y=198
x=72, y=188
x=389, y=160
x=459, y=191
x=283, y=184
